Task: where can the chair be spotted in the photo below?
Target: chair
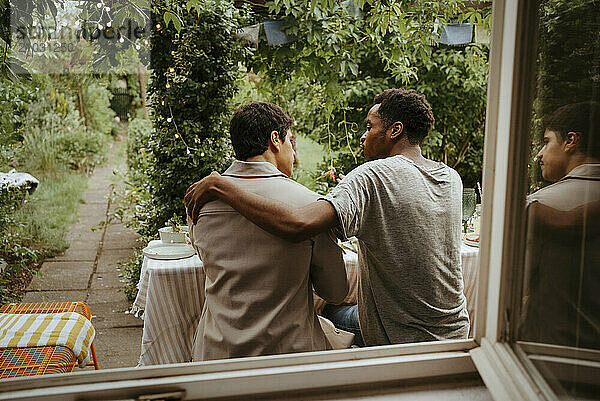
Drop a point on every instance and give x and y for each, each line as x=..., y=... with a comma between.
x=33, y=361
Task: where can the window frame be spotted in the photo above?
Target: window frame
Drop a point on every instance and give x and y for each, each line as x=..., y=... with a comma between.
x=507, y=369
x=505, y=157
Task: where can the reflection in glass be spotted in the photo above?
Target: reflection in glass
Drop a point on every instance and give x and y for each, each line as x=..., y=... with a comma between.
x=468, y=204
x=559, y=322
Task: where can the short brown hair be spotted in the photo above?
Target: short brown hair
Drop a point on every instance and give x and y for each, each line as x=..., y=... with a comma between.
x=251, y=127
x=583, y=118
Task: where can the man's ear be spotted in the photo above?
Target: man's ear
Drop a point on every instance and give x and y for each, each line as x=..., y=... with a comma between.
x=274, y=140
x=397, y=130
x=572, y=141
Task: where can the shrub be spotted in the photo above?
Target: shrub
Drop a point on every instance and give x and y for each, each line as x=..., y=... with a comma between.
x=130, y=271
x=10, y=200
x=54, y=137
x=99, y=116
x=134, y=202
x=138, y=142
x=14, y=99
x=81, y=151
x=192, y=83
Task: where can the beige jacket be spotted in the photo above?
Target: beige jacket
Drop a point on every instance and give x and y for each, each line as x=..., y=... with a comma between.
x=258, y=287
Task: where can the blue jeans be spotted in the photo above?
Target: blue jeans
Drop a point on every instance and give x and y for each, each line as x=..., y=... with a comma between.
x=345, y=317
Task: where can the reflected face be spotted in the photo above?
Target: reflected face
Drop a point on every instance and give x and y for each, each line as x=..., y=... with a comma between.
x=553, y=157
x=286, y=155
x=374, y=143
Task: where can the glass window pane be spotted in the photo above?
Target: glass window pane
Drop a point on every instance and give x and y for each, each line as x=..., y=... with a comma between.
x=559, y=297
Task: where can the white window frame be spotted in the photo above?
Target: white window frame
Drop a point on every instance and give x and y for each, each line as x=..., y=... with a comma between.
x=503, y=374
x=507, y=375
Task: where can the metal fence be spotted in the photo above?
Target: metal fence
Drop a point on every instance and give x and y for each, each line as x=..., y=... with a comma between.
x=121, y=103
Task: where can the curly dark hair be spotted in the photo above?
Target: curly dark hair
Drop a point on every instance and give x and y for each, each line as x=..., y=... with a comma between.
x=583, y=118
x=410, y=108
x=251, y=127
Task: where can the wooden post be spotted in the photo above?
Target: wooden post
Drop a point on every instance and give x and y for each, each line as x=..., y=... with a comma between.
x=81, y=104
x=142, y=83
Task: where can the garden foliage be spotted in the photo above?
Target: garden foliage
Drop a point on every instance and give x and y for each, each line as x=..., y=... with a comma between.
x=568, y=67
x=100, y=118
x=342, y=56
x=43, y=133
x=339, y=59
x=55, y=138
x=192, y=82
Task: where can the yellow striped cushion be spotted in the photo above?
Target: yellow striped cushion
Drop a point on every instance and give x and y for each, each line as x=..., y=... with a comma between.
x=69, y=329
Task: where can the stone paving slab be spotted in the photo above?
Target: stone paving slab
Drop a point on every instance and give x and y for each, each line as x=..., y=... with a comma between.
x=118, y=347
x=101, y=183
x=97, y=210
x=62, y=276
x=80, y=232
x=85, y=242
x=85, y=225
x=112, y=315
x=107, y=296
x=110, y=257
x=81, y=237
x=95, y=198
x=91, y=221
x=77, y=255
x=55, y=296
x=111, y=244
x=108, y=279
x=120, y=229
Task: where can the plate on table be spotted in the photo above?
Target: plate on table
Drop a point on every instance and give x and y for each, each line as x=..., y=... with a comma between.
x=472, y=239
x=164, y=251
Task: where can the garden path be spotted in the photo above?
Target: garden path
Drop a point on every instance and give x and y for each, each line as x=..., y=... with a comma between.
x=87, y=270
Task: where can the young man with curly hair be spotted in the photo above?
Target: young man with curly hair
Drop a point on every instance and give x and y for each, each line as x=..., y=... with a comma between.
x=405, y=211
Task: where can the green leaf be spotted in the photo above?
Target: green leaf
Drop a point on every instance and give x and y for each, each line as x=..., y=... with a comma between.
x=174, y=18
x=353, y=68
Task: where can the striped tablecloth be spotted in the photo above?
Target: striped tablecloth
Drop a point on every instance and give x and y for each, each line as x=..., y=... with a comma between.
x=470, y=266
x=170, y=292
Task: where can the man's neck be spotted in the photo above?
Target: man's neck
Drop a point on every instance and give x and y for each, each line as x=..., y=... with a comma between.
x=413, y=152
x=262, y=158
x=580, y=159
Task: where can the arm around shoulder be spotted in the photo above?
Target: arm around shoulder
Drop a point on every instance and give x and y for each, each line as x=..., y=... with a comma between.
x=271, y=215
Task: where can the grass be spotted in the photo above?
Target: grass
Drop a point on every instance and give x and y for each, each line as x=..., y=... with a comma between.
x=49, y=212
x=310, y=154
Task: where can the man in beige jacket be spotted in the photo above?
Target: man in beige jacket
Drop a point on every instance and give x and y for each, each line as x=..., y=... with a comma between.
x=259, y=287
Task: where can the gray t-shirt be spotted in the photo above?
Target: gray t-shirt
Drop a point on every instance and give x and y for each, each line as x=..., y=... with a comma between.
x=408, y=223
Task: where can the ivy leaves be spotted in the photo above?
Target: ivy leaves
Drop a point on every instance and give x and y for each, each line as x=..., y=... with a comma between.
x=194, y=74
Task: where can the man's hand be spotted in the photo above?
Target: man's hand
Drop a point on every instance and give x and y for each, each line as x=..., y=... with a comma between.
x=199, y=194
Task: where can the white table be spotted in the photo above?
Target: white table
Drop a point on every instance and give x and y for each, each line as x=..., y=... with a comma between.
x=170, y=292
